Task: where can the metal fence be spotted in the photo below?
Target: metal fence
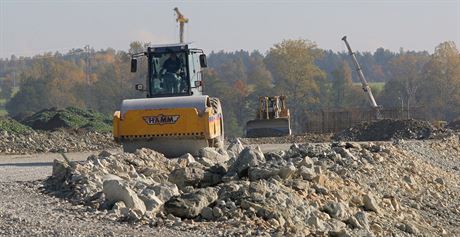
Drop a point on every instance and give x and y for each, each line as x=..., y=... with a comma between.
x=335, y=120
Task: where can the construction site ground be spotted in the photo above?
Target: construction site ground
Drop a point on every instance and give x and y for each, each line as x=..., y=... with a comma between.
x=26, y=211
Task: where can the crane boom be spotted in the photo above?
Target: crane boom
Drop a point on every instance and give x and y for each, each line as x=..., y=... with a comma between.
x=364, y=83
x=182, y=20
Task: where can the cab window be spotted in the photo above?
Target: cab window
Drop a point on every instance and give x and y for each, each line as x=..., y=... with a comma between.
x=169, y=76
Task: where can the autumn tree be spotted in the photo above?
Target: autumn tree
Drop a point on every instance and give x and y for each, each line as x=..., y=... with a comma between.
x=341, y=84
x=232, y=71
x=114, y=80
x=440, y=90
x=295, y=74
x=403, y=88
x=237, y=79
x=50, y=82
x=260, y=83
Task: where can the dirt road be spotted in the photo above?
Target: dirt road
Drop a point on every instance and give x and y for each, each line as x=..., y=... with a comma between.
x=32, y=167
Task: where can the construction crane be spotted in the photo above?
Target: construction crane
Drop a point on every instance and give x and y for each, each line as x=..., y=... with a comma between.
x=364, y=83
x=182, y=20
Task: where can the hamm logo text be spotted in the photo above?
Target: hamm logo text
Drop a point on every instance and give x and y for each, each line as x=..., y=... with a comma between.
x=161, y=119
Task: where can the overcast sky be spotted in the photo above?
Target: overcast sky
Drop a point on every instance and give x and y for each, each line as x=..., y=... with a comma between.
x=33, y=27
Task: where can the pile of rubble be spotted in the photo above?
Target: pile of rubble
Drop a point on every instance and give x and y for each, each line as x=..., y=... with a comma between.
x=454, y=125
x=56, y=141
x=387, y=129
x=336, y=189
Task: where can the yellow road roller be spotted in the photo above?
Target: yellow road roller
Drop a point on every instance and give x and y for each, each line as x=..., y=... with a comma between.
x=175, y=117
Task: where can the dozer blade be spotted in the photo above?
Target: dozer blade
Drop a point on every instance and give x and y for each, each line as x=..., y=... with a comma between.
x=171, y=147
x=268, y=127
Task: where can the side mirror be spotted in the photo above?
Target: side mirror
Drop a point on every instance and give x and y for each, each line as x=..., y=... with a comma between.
x=134, y=65
x=198, y=83
x=139, y=87
x=203, y=61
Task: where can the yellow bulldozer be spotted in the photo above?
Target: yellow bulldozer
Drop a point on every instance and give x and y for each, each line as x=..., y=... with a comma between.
x=272, y=119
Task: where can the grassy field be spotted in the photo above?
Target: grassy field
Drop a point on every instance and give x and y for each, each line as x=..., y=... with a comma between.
x=375, y=86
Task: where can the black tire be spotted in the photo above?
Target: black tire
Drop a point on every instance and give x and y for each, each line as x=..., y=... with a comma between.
x=218, y=142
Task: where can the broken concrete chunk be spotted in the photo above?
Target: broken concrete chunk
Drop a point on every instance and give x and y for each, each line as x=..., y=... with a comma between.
x=117, y=190
x=369, y=203
x=249, y=157
x=190, y=205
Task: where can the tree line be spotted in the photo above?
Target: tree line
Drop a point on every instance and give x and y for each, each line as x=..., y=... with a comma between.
x=310, y=77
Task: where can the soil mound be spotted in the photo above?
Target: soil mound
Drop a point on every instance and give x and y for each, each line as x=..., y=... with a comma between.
x=387, y=129
x=69, y=118
x=30, y=141
x=12, y=126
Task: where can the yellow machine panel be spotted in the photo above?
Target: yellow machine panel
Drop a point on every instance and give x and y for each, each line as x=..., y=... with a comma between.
x=166, y=122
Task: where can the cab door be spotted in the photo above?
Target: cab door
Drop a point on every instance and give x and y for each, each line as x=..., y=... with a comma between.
x=195, y=73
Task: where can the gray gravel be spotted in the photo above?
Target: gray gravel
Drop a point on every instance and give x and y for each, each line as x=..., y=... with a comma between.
x=26, y=211
x=55, y=142
x=421, y=177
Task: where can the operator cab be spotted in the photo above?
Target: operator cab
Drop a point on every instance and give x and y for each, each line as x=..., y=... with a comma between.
x=173, y=70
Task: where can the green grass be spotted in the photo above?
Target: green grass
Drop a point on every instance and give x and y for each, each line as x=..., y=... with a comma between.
x=375, y=86
x=72, y=118
x=13, y=126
